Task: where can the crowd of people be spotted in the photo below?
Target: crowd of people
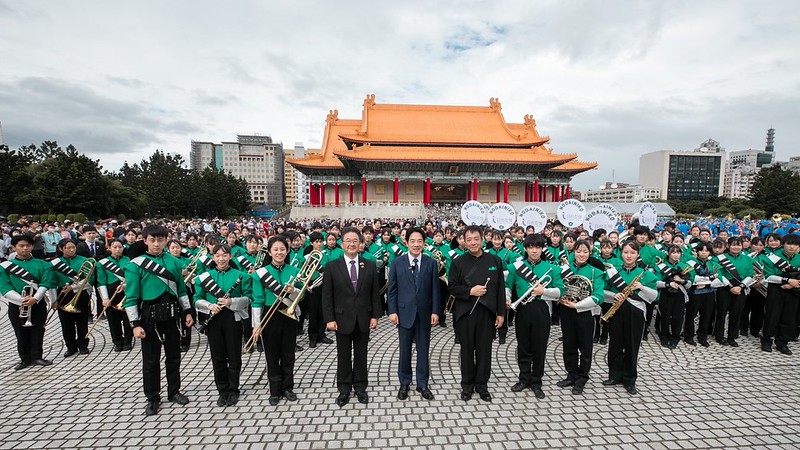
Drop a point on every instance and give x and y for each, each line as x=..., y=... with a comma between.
x=256, y=285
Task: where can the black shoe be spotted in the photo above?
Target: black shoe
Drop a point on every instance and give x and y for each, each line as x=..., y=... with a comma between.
x=785, y=350
x=312, y=344
x=179, y=399
x=21, y=365
x=222, y=400
x=596, y=340
x=466, y=396
x=645, y=337
x=343, y=399
x=117, y=348
x=577, y=389
x=402, y=394
x=690, y=341
x=260, y=347
x=721, y=341
x=362, y=397
x=566, y=382
x=631, y=389
x=603, y=340
x=275, y=399
x=298, y=348
x=519, y=387
x=184, y=348
x=42, y=362
x=443, y=324
x=485, y=396
x=733, y=343
x=70, y=352
x=766, y=348
x=502, y=339
x=672, y=345
x=326, y=340
x=233, y=398
x=538, y=392
x=425, y=392
x=151, y=409
x=290, y=395
x=704, y=343
x=611, y=382
x=127, y=347
x=84, y=351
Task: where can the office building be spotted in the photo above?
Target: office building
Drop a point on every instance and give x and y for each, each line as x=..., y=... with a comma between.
x=685, y=175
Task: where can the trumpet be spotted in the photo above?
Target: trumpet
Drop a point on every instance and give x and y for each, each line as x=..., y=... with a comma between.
x=304, y=276
x=528, y=296
x=193, y=263
x=86, y=271
x=25, y=312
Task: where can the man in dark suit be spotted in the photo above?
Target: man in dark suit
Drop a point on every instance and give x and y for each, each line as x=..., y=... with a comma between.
x=92, y=247
x=414, y=305
x=351, y=307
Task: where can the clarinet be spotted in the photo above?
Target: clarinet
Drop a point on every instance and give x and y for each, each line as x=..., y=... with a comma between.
x=204, y=327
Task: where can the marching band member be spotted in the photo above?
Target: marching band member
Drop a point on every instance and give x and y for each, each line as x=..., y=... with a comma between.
x=176, y=250
x=737, y=270
x=673, y=287
x=533, y=318
x=74, y=325
x=609, y=259
x=702, y=296
x=15, y=275
x=476, y=282
x=753, y=313
x=280, y=334
x=155, y=300
x=316, y=323
x=627, y=325
x=577, y=321
x=111, y=285
x=224, y=293
x=781, y=271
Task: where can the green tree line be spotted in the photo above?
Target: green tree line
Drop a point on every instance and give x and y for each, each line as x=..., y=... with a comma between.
x=48, y=179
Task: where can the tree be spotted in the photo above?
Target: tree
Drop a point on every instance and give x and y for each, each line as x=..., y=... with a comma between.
x=776, y=190
x=14, y=181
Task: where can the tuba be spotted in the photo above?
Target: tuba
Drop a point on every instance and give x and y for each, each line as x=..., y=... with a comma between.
x=576, y=288
x=84, y=274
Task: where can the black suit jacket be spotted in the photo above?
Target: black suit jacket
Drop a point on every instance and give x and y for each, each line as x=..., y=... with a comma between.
x=99, y=249
x=341, y=304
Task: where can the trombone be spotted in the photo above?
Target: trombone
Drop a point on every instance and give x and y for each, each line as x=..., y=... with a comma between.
x=304, y=276
x=118, y=307
x=85, y=273
x=193, y=263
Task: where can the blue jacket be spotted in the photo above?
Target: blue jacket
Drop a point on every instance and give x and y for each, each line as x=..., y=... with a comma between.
x=411, y=299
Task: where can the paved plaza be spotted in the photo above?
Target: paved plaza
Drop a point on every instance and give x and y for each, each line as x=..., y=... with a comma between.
x=692, y=397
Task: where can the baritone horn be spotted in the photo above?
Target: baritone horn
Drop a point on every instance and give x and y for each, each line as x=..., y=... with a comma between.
x=85, y=274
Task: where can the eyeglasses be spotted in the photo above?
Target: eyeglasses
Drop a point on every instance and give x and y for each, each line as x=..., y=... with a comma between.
x=351, y=241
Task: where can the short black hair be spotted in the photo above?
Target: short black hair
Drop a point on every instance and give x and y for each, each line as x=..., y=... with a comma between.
x=277, y=238
x=473, y=229
x=704, y=246
x=315, y=236
x=791, y=239
x=415, y=230
x=155, y=231
x=346, y=230
x=224, y=247
x=641, y=229
x=22, y=237
x=534, y=240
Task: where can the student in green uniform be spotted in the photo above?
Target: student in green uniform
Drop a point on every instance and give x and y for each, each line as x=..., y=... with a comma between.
x=225, y=294
x=37, y=275
x=702, y=296
x=533, y=318
x=737, y=270
x=313, y=301
x=74, y=327
x=781, y=272
x=608, y=259
x=111, y=287
x=280, y=333
x=675, y=281
x=577, y=323
x=627, y=325
x=156, y=303
x=176, y=250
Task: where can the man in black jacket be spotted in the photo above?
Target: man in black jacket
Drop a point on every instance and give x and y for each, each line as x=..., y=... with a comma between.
x=351, y=306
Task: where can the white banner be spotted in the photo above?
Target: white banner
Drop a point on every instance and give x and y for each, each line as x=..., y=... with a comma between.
x=648, y=215
x=472, y=213
x=571, y=213
x=603, y=216
x=502, y=216
x=534, y=216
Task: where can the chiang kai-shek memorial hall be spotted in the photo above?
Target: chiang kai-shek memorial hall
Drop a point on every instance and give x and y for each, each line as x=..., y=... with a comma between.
x=435, y=154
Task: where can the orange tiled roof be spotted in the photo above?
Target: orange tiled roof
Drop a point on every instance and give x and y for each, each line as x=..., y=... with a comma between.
x=538, y=155
x=325, y=159
x=436, y=124
x=574, y=166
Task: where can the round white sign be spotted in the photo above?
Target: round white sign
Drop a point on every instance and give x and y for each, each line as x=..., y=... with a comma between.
x=485, y=207
x=571, y=213
x=502, y=216
x=472, y=213
x=648, y=215
x=600, y=217
x=533, y=216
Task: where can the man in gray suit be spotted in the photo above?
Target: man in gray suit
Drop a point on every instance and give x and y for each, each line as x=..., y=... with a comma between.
x=414, y=305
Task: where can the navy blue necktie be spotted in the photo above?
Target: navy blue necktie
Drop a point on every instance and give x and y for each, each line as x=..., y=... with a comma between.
x=415, y=270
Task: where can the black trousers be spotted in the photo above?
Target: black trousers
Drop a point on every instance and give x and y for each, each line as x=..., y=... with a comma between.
x=754, y=319
x=225, y=342
x=247, y=327
x=351, y=360
x=650, y=309
x=444, y=294
x=729, y=305
x=475, y=332
x=509, y=317
x=119, y=326
x=29, y=339
x=601, y=328
x=702, y=304
x=316, y=325
x=74, y=326
x=151, y=358
x=627, y=329
x=280, y=336
x=780, y=315
x=533, y=331
x=672, y=308
x=578, y=330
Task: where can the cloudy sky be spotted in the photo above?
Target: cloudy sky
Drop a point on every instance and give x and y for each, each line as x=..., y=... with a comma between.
x=606, y=80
